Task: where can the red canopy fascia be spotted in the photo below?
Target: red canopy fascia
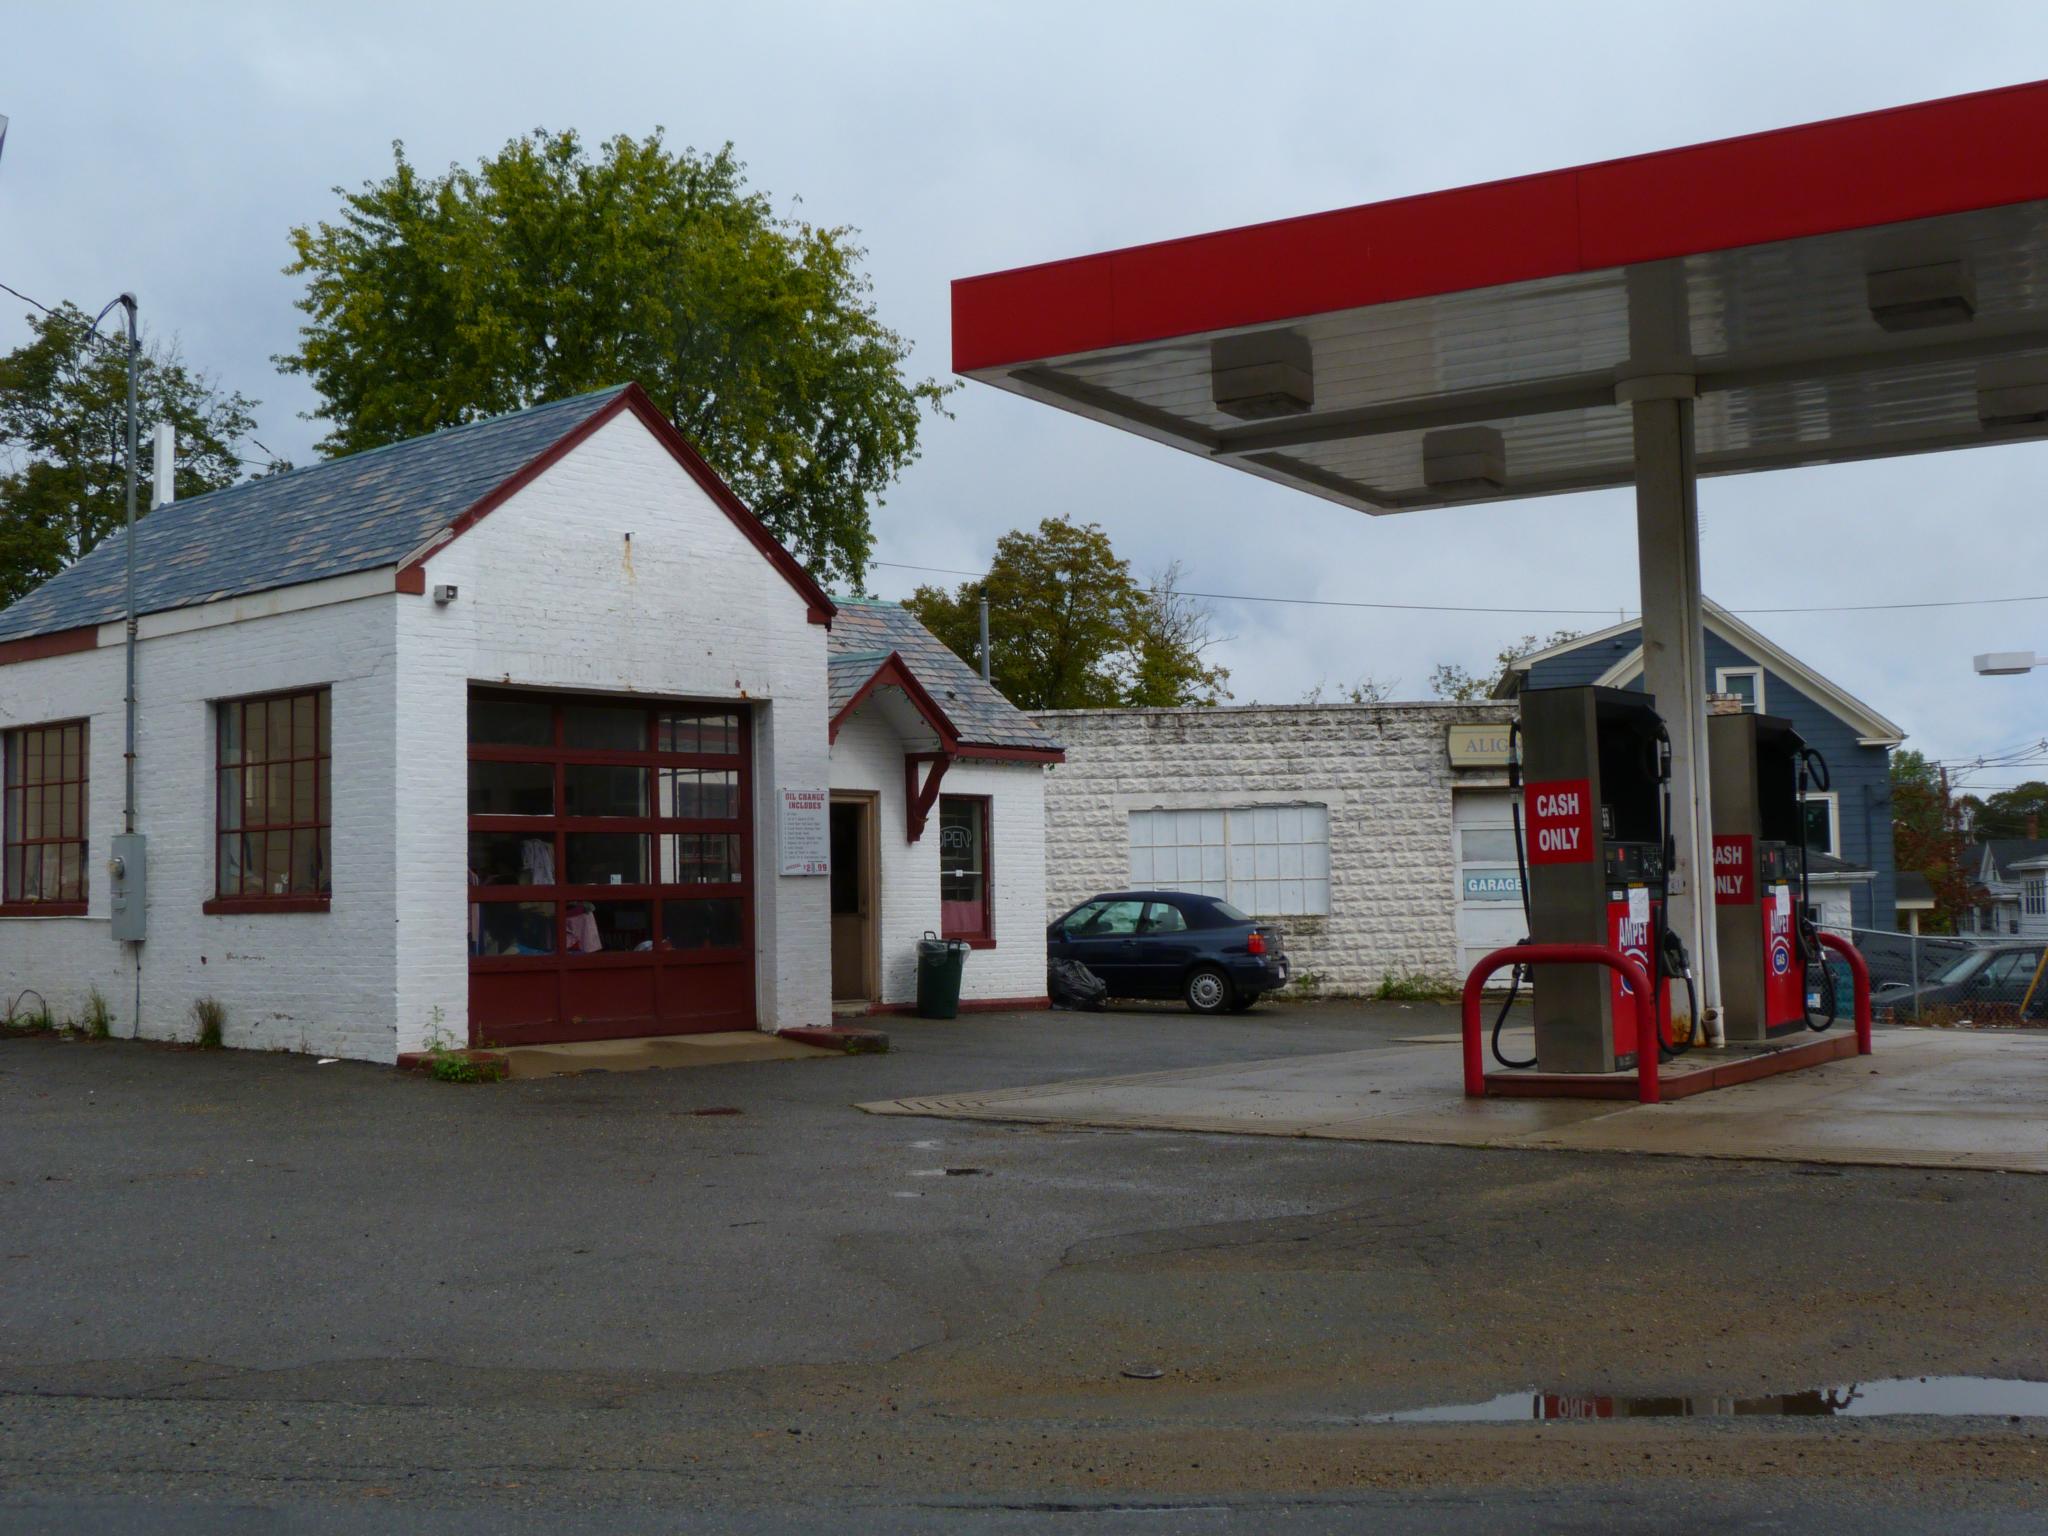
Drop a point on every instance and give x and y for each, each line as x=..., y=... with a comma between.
x=1849, y=173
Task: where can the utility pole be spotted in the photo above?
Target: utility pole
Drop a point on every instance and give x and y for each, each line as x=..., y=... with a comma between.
x=984, y=634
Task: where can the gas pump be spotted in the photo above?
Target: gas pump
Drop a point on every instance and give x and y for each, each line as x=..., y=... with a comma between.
x=1593, y=833
x=1773, y=979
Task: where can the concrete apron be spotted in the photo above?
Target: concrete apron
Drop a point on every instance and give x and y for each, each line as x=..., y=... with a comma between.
x=1926, y=1099
x=640, y=1054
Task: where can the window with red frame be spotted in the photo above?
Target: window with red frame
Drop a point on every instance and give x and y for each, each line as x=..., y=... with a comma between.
x=273, y=800
x=964, y=885
x=43, y=816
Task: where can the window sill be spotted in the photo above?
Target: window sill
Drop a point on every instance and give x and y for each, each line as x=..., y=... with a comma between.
x=42, y=909
x=972, y=940
x=222, y=906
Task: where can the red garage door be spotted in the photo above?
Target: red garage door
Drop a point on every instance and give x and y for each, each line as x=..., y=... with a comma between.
x=610, y=862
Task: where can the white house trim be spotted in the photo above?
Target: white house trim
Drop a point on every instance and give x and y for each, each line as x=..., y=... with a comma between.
x=1833, y=800
x=1722, y=674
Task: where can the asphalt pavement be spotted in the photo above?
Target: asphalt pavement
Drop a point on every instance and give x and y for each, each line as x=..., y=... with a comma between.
x=249, y=1292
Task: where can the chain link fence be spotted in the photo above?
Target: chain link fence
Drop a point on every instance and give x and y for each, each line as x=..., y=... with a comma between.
x=1940, y=980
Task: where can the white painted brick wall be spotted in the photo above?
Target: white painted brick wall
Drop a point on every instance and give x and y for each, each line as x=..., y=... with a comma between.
x=551, y=597
x=869, y=756
x=547, y=598
x=320, y=982
x=1383, y=770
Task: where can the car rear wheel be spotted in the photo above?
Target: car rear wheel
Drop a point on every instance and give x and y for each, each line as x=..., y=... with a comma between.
x=1208, y=990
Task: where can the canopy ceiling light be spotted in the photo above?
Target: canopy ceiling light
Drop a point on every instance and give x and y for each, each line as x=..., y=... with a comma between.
x=1914, y=298
x=1465, y=461
x=1262, y=376
x=2013, y=392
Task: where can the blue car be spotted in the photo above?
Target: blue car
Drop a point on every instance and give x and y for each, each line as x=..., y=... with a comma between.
x=1168, y=944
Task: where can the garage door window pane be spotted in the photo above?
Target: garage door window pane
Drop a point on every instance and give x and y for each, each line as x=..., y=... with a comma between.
x=701, y=924
x=605, y=727
x=512, y=927
x=1488, y=845
x=599, y=927
x=511, y=722
x=600, y=790
x=606, y=858
x=511, y=789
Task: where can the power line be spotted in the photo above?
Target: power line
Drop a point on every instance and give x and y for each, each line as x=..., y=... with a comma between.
x=1322, y=602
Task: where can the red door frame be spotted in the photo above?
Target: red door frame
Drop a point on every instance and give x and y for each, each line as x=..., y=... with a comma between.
x=672, y=969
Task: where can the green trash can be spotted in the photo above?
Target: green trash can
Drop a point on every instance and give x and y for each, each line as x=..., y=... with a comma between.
x=940, y=963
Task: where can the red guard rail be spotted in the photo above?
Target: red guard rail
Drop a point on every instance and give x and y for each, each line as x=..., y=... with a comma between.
x=1638, y=981
x=1860, y=971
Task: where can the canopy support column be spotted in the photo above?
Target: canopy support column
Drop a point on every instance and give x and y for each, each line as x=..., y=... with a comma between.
x=1674, y=660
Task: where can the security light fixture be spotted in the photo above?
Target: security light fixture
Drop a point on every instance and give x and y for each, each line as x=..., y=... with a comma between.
x=1915, y=298
x=2006, y=663
x=2013, y=392
x=444, y=594
x=1262, y=376
x=1465, y=461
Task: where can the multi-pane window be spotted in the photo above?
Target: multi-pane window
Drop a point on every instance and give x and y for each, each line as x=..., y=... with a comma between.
x=604, y=828
x=2035, y=896
x=963, y=867
x=43, y=816
x=273, y=798
x=1270, y=860
x=1746, y=683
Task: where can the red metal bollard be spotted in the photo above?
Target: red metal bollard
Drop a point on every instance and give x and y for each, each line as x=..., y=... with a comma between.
x=1860, y=971
x=1649, y=1038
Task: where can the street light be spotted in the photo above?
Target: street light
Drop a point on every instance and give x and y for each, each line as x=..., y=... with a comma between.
x=2007, y=663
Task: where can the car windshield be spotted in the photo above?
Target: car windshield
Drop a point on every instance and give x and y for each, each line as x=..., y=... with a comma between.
x=1225, y=910
x=1960, y=969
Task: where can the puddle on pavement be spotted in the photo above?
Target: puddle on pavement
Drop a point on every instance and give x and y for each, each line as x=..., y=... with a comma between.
x=1945, y=1396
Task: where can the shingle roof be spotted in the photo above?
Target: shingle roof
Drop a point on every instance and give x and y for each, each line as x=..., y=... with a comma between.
x=863, y=635
x=351, y=514
x=2007, y=851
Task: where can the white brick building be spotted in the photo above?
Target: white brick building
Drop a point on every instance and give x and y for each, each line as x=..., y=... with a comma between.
x=1347, y=824
x=484, y=734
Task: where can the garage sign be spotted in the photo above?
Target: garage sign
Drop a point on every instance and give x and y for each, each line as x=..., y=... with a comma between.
x=1558, y=817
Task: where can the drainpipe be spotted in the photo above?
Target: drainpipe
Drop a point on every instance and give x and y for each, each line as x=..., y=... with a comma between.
x=984, y=634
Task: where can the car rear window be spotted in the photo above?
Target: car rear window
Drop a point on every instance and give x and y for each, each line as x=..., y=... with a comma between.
x=1225, y=910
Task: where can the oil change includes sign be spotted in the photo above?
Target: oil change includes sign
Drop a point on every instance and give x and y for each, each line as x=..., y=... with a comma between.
x=806, y=840
x=1559, y=817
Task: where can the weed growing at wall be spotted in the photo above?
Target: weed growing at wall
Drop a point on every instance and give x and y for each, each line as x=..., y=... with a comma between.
x=26, y=1017
x=98, y=1019
x=451, y=1065
x=211, y=1015
x=1416, y=987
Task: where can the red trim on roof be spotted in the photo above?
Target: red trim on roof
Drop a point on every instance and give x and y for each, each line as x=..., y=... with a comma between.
x=61, y=642
x=635, y=399
x=1913, y=162
x=892, y=672
x=1014, y=754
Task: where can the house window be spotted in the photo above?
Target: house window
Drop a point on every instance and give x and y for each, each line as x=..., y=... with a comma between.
x=964, y=883
x=1823, y=810
x=1271, y=860
x=273, y=799
x=2034, y=896
x=43, y=818
x=1746, y=683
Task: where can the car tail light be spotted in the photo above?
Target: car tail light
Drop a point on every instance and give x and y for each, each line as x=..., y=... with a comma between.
x=1256, y=944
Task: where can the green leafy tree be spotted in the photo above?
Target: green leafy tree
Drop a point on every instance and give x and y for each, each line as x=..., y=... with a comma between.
x=2007, y=812
x=1927, y=836
x=1071, y=628
x=547, y=271
x=63, y=441
x=1451, y=681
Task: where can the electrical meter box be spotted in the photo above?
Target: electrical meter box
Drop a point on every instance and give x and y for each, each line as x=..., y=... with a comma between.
x=1753, y=762
x=127, y=870
x=1593, y=839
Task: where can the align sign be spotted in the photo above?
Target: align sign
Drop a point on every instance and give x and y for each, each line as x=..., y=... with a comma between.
x=1484, y=745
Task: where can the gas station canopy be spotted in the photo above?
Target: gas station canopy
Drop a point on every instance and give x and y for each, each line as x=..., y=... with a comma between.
x=1853, y=289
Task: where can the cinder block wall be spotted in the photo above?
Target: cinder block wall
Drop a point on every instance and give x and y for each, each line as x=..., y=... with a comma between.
x=1383, y=771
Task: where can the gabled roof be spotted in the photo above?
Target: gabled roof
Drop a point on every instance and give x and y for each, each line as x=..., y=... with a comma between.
x=2002, y=853
x=383, y=507
x=869, y=636
x=1871, y=728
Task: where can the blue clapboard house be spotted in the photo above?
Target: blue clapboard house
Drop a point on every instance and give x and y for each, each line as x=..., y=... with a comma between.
x=1850, y=824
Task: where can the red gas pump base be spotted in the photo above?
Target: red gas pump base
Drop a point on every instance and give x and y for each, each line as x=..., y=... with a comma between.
x=1650, y=1082
x=1696, y=1071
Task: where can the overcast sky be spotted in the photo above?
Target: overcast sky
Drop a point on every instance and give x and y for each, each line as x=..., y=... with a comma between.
x=168, y=149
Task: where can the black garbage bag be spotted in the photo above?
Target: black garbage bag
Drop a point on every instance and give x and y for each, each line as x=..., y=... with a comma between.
x=1072, y=985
